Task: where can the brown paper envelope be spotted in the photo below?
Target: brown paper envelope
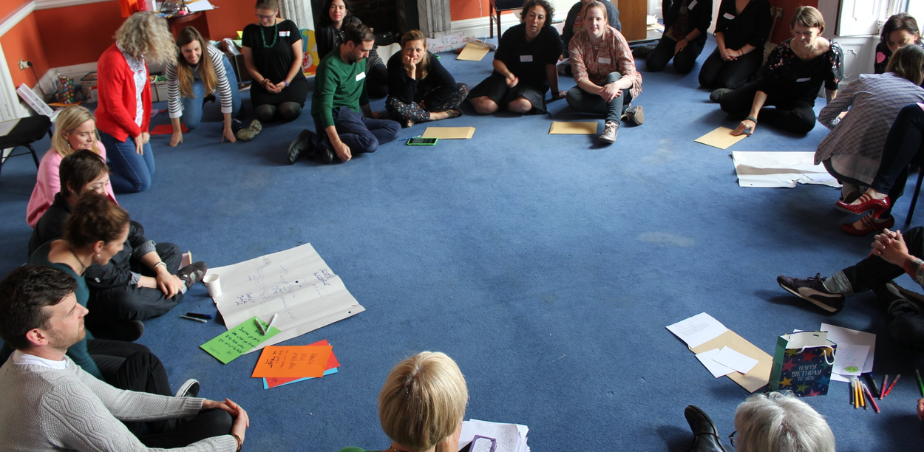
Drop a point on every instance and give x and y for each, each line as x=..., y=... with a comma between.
x=759, y=376
x=473, y=52
x=449, y=133
x=720, y=138
x=573, y=128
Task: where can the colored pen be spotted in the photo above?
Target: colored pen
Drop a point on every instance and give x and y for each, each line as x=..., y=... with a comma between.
x=893, y=384
x=872, y=383
x=856, y=395
x=193, y=319
x=885, y=381
x=920, y=383
x=272, y=320
x=862, y=395
x=260, y=325
x=873, y=401
x=853, y=393
x=199, y=316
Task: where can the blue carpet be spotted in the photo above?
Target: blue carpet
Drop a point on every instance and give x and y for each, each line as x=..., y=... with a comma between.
x=547, y=266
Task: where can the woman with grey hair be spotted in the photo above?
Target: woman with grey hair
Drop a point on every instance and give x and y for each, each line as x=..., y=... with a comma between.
x=124, y=110
x=772, y=422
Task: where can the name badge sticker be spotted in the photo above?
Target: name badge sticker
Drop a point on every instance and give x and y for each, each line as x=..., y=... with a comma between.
x=603, y=60
x=728, y=16
x=803, y=80
x=692, y=4
x=360, y=76
x=526, y=58
x=284, y=34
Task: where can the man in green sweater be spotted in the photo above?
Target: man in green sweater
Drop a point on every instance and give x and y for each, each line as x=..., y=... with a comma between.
x=340, y=106
x=50, y=404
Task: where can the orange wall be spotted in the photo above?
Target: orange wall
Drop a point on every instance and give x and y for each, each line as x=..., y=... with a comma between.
x=92, y=25
x=230, y=17
x=24, y=42
x=461, y=10
x=782, y=32
x=8, y=6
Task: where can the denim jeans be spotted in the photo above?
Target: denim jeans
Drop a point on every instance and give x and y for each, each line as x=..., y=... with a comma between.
x=360, y=133
x=128, y=171
x=581, y=100
x=192, y=106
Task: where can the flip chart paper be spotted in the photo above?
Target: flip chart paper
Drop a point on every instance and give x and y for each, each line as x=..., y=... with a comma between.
x=730, y=358
x=780, y=169
x=449, y=133
x=720, y=138
x=573, y=128
x=697, y=329
x=296, y=284
x=233, y=343
x=846, y=336
x=292, y=361
x=473, y=52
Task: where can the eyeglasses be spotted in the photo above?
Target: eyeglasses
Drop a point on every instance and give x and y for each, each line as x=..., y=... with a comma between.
x=268, y=17
x=731, y=439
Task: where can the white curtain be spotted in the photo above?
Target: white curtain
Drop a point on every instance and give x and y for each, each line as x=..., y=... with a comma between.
x=434, y=16
x=298, y=11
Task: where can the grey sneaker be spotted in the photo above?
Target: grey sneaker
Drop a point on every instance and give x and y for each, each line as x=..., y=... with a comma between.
x=717, y=95
x=635, y=115
x=250, y=132
x=192, y=273
x=610, y=131
x=189, y=388
x=813, y=291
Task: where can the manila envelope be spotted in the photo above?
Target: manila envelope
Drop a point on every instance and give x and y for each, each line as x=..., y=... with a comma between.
x=449, y=133
x=759, y=376
x=573, y=128
x=720, y=138
x=472, y=52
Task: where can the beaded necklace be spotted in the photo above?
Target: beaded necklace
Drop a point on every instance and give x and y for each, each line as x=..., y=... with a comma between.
x=275, y=36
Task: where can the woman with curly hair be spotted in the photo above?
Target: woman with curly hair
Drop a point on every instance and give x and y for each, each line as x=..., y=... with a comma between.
x=124, y=109
x=898, y=31
x=524, y=65
x=188, y=82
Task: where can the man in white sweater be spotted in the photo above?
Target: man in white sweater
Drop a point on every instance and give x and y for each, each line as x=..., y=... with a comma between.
x=51, y=404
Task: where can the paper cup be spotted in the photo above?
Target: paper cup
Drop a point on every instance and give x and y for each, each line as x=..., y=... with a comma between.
x=213, y=284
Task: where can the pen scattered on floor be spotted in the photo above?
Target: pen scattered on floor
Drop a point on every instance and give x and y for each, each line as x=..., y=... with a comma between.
x=893, y=384
x=920, y=383
x=199, y=316
x=260, y=326
x=871, y=399
x=193, y=319
x=885, y=382
x=272, y=320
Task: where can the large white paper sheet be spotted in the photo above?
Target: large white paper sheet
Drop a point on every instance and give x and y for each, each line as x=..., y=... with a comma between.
x=717, y=370
x=510, y=437
x=697, y=330
x=296, y=283
x=199, y=5
x=729, y=357
x=840, y=335
x=779, y=169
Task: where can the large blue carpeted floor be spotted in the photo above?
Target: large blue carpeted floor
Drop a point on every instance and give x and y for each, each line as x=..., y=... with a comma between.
x=547, y=266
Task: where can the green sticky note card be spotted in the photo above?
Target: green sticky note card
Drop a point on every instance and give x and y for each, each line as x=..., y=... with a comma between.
x=233, y=343
x=240, y=35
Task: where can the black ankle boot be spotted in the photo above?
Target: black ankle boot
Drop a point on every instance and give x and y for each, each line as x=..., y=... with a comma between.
x=705, y=435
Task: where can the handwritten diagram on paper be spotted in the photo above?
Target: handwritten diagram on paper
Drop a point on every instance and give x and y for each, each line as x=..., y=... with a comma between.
x=296, y=284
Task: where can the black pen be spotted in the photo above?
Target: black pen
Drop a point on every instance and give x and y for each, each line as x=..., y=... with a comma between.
x=199, y=316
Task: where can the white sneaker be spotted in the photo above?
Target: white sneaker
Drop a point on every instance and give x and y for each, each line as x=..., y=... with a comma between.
x=610, y=131
x=189, y=388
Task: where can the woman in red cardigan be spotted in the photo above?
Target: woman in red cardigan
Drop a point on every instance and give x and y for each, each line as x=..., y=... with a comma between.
x=124, y=108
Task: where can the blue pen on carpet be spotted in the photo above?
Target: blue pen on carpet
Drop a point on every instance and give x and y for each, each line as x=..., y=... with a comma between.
x=193, y=319
x=199, y=316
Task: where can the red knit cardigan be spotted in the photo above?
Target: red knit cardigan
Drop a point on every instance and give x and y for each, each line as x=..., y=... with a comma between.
x=115, y=113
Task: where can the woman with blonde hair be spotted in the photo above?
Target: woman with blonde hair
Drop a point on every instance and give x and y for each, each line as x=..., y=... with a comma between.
x=422, y=404
x=188, y=82
x=75, y=129
x=124, y=109
x=420, y=88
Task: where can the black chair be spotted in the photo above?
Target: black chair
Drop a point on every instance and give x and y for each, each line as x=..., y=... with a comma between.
x=498, y=6
x=24, y=133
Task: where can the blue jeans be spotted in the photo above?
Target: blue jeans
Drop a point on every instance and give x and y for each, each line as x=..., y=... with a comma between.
x=128, y=171
x=360, y=133
x=192, y=106
x=583, y=101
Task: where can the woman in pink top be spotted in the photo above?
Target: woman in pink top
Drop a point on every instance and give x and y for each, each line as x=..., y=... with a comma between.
x=75, y=129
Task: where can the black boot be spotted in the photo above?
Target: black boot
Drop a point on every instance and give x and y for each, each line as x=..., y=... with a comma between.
x=705, y=435
x=301, y=145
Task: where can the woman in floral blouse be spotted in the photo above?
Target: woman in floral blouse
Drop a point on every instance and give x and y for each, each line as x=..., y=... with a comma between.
x=605, y=73
x=791, y=79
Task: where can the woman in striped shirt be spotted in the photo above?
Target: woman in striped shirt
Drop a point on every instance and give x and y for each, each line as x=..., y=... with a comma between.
x=188, y=82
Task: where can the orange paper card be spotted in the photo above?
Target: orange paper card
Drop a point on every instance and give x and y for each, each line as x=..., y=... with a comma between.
x=167, y=129
x=292, y=361
x=332, y=363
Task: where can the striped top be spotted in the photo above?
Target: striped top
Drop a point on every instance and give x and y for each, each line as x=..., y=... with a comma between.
x=873, y=102
x=173, y=83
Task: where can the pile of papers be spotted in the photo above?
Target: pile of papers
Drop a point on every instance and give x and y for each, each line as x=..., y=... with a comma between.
x=282, y=365
x=508, y=437
x=854, y=353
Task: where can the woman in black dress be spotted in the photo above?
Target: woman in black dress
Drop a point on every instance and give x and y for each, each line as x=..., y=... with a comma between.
x=741, y=29
x=332, y=18
x=272, y=50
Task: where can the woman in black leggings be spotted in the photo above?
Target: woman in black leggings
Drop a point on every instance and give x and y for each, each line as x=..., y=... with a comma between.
x=790, y=80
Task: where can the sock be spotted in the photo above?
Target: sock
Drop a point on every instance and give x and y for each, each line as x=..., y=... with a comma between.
x=838, y=283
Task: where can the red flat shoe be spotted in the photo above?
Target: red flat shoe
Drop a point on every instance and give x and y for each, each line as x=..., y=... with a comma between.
x=866, y=203
x=870, y=225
